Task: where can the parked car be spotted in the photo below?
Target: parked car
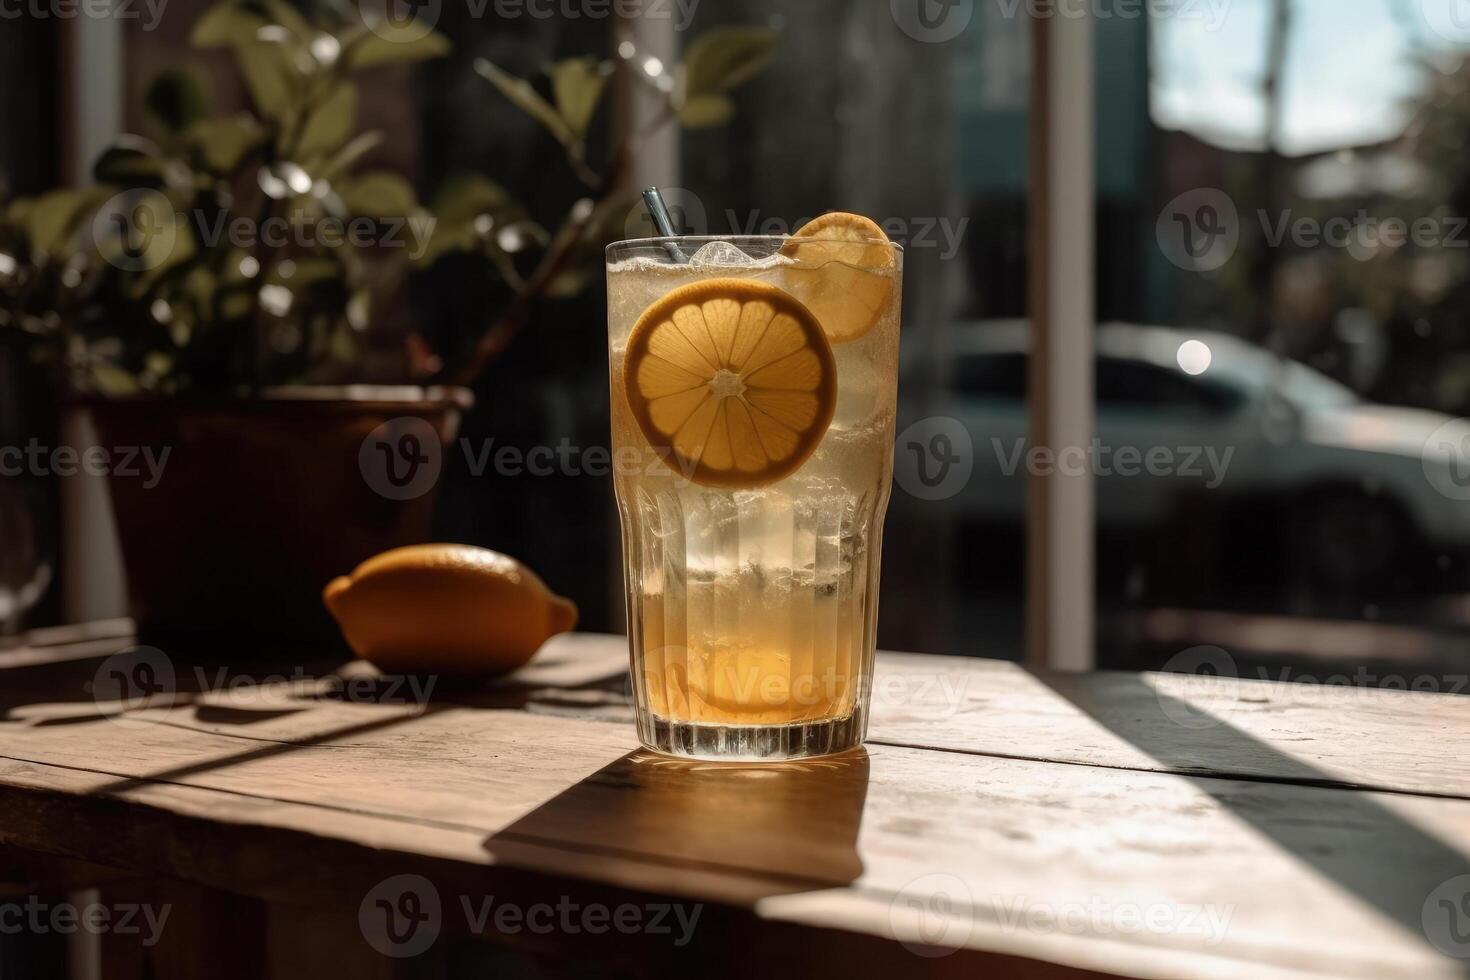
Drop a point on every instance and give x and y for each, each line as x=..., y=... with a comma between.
x=1197, y=427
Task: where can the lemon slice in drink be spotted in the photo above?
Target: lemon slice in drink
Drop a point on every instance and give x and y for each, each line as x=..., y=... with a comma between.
x=844, y=273
x=731, y=380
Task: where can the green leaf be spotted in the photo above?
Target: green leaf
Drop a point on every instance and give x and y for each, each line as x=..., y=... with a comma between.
x=529, y=101
x=131, y=162
x=227, y=24
x=230, y=274
x=183, y=249
x=378, y=194
x=53, y=217
x=112, y=380
x=704, y=111
x=468, y=196
x=608, y=221
x=223, y=143
x=18, y=211
x=724, y=58
x=290, y=18
x=344, y=159
x=343, y=345
x=329, y=124
x=158, y=363
x=200, y=285
x=175, y=100
x=360, y=309
x=394, y=44
x=306, y=272
x=578, y=85
x=569, y=282
x=306, y=208
x=458, y=206
x=272, y=77
x=237, y=304
x=448, y=236
x=140, y=232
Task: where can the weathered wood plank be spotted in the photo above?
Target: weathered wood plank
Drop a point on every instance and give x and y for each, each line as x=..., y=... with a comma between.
x=1011, y=837
x=195, y=835
x=1296, y=732
x=1312, y=733
x=1216, y=801
x=1308, y=733
x=1001, y=865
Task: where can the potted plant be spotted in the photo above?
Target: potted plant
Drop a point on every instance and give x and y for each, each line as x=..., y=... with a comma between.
x=231, y=297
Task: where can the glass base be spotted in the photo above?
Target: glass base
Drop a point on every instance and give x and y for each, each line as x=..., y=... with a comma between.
x=752, y=743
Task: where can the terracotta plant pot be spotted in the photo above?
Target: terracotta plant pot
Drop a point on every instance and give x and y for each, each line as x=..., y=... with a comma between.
x=261, y=502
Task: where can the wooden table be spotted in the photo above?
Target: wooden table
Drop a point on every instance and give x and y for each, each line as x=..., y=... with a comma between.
x=1141, y=825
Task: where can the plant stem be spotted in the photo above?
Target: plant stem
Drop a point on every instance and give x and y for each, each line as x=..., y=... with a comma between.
x=505, y=330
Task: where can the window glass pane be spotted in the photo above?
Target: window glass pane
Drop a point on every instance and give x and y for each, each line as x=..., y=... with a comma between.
x=1301, y=351
x=914, y=114
x=922, y=126
x=991, y=376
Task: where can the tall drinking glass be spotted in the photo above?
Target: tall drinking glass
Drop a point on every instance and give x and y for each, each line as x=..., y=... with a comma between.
x=754, y=388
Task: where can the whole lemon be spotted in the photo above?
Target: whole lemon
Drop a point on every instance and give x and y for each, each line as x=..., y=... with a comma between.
x=446, y=609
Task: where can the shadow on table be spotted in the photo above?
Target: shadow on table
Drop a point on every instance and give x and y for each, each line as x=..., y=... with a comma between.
x=88, y=683
x=267, y=749
x=1332, y=830
x=789, y=827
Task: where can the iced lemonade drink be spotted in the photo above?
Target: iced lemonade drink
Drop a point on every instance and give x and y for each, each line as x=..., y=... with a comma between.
x=754, y=385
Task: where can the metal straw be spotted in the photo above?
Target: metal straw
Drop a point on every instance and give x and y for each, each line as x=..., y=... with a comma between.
x=663, y=222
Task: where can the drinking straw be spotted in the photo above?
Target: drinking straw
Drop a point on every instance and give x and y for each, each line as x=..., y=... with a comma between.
x=663, y=221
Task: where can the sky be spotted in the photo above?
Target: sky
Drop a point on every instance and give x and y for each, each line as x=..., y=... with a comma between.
x=1353, y=66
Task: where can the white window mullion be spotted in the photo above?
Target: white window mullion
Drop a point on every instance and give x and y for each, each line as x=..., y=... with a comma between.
x=1060, y=524
x=93, y=583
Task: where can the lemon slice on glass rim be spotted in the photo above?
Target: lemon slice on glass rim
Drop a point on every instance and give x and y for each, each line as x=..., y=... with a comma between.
x=844, y=273
x=732, y=381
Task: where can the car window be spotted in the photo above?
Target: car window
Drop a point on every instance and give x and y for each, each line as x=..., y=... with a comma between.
x=1125, y=384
